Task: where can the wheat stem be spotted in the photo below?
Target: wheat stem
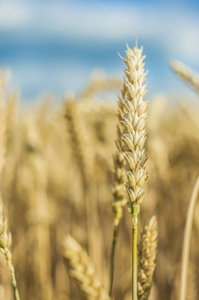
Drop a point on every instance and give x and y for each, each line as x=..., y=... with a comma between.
x=112, y=268
x=187, y=240
x=134, y=252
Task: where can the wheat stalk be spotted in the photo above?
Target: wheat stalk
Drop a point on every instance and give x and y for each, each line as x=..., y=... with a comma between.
x=148, y=250
x=82, y=270
x=187, y=240
x=133, y=138
x=186, y=73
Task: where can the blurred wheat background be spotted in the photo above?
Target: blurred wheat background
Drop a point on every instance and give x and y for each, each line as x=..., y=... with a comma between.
x=57, y=177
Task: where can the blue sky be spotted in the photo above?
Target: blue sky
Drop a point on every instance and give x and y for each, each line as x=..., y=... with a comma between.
x=54, y=46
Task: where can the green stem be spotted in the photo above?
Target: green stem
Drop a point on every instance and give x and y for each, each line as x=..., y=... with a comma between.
x=134, y=252
x=8, y=256
x=112, y=264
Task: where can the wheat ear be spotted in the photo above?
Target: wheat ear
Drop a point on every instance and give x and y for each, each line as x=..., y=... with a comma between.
x=187, y=240
x=148, y=250
x=82, y=270
x=119, y=191
x=133, y=138
x=186, y=74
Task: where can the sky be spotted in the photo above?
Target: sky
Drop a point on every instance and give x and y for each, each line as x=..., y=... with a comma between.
x=54, y=46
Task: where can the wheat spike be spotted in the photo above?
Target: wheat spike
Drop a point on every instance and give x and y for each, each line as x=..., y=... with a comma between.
x=148, y=249
x=186, y=74
x=133, y=123
x=82, y=270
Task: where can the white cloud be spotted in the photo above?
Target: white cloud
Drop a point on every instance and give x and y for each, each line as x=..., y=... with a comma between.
x=103, y=21
x=176, y=30
x=185, y=42
x=14, y=14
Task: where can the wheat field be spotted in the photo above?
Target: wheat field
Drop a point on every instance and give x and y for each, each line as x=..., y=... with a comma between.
x=61, y=177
